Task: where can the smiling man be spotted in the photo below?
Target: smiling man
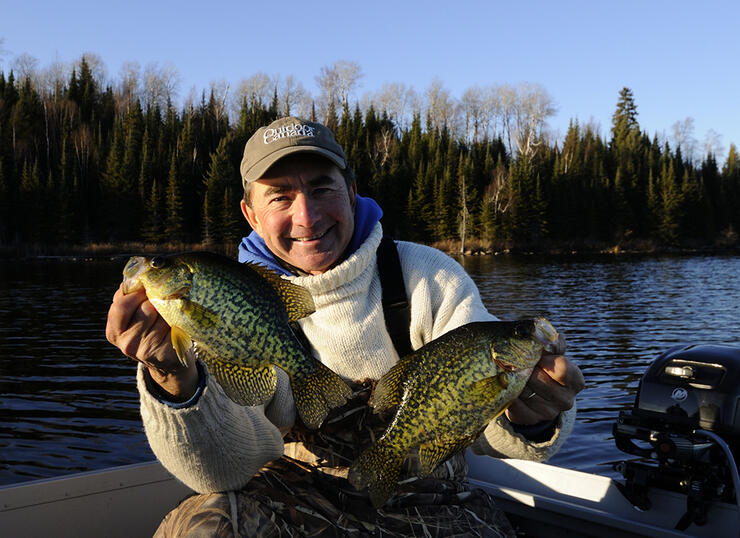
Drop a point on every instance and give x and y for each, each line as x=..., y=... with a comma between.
x=312, y=227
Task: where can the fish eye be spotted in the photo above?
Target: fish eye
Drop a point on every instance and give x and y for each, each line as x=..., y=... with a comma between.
x=158, y=262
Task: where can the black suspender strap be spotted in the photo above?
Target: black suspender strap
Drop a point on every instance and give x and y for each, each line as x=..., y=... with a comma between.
x=395, y=301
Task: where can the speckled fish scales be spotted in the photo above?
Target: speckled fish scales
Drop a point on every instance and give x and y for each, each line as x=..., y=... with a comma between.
x=237, y=317
x=444, y=395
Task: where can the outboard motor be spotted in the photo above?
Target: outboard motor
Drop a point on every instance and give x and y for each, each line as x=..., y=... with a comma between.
x=685, y=425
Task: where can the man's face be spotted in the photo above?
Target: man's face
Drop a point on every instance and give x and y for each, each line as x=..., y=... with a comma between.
x=304, y=212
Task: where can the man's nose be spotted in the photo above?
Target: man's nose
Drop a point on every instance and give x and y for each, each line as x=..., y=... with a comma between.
x=306, y=212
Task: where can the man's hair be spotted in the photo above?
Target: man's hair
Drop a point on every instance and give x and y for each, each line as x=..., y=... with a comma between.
x=348, y=175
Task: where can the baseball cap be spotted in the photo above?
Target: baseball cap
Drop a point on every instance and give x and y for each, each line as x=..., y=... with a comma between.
x=283, y=137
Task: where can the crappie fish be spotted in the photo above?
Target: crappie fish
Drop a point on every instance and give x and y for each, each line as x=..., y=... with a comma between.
x=237, y=315
x=446, y=393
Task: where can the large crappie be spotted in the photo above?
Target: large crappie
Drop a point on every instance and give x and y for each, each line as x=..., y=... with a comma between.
x=446, y=393
x=237, y=315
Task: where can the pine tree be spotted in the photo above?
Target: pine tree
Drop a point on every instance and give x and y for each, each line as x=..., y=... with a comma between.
x=671, y=204
x=231, y=223
x=30, y=196
x=220, y=174
x=175, y=220
x=731, y=191
x=624, y=119
x=152, y=230
x=463, y=185
x=332, y=121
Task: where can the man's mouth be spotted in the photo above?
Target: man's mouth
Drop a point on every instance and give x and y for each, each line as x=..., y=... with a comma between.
x=307, y=238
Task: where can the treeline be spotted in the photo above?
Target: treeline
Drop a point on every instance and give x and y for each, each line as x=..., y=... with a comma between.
x=79, y=164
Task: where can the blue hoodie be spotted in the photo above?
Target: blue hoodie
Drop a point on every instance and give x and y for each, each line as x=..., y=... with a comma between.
x=367, y=213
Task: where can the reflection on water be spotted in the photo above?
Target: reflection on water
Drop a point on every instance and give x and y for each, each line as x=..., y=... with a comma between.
x=68, y=401
x=67, y=398
x=618, y=315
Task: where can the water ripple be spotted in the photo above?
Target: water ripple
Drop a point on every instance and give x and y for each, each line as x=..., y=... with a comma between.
x=68, y=401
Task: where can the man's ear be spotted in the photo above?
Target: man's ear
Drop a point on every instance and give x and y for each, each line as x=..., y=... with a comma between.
x=251, y=216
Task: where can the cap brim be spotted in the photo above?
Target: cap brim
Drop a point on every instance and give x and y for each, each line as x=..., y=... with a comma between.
x=259, y=169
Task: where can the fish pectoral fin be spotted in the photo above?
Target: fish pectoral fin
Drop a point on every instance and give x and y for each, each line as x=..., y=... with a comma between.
x=481, y=392
x=242, y=384
x=182, y=342
x=432, y=454
x=197, y=312
x=297, y=300
x=389, y=390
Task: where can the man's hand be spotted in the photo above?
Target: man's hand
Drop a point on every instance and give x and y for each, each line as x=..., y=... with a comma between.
x=551, y=389
x=135, y=327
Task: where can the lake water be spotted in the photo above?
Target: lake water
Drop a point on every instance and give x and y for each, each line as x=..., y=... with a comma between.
x=68, y=401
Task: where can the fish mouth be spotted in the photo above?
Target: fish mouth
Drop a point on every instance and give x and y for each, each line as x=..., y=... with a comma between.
x=135, y=266
x=546, y=334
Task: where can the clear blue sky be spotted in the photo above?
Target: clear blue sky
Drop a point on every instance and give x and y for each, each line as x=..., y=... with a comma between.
x=679, y=57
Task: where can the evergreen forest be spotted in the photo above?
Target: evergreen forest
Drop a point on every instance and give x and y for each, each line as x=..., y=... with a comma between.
x=83, y=164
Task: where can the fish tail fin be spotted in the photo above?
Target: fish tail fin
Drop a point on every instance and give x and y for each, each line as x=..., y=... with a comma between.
x=317, y=392
x=377, y=469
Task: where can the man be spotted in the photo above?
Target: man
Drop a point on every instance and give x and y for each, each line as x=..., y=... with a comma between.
x=311, y=226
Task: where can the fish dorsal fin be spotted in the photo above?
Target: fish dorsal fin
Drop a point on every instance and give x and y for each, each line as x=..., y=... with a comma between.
x=389, y=390
x=182, y=342
x=296, y=299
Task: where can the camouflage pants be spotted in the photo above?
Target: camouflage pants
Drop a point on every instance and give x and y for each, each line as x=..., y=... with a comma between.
x=286, y=499
x=308, y=494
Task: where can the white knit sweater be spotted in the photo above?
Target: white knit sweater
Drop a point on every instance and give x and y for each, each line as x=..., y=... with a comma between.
x=217, y=445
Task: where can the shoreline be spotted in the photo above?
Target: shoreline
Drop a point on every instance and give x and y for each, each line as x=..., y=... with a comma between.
x=114, y=251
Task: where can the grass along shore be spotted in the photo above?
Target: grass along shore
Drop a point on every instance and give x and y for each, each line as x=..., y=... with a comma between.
x=727, y=244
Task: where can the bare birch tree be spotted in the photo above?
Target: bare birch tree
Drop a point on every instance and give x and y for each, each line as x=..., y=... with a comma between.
x=440, y=106
x=398, y=100
x=3, y=50
x=336, y=82
x=294, y=98
x=256, y=90
x=683, y=137
x=508, y=102
x=52, y=79
x=535, y=106
x=472, y=112
x=159, y=84
x=25, y=67
x=713, y=143
x=129, y=87
x=220, y=93
x=491, y=111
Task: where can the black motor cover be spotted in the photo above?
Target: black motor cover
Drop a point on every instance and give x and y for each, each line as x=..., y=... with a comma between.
x=694, y=386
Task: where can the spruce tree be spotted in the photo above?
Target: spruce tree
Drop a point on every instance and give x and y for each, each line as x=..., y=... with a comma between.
x=671, y=204
x=152, y=230
x=175, y=219
x=220, y=174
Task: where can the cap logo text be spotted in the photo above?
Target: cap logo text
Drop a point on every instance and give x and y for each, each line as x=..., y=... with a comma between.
x=294, y=129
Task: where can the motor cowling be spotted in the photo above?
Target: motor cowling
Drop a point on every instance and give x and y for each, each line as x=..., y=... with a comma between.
x=685, y=425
